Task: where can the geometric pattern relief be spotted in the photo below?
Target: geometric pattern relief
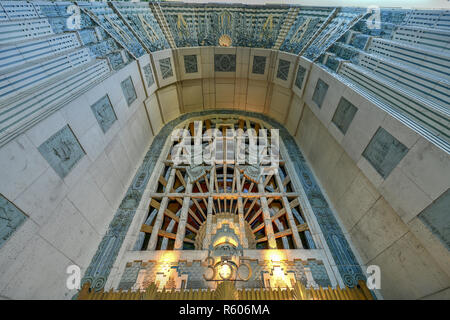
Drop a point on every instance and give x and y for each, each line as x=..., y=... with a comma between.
x=300, y=76
x=283, y=69
x=319, y=92
x=10, y=219
x=190, y=63
x=104, y=113
x=128, y=90
x=437, y=218
x=259, y=64
x=384, y=152
x=102, y=262
x=62, y=151
x=166, y=68
x=148, y=75
x=225, y=62
x=344, y=114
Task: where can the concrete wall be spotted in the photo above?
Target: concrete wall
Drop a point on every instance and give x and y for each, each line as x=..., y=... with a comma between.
x=379, y=215
x=67, y=217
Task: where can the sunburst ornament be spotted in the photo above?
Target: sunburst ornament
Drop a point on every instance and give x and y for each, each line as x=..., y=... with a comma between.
x=225, y=40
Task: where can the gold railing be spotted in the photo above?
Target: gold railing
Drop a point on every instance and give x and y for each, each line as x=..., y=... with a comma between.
x=227, y=291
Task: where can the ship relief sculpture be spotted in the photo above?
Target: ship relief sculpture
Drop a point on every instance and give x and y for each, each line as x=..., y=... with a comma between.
x=62, y=151
x=104, y=113
x=128, y=90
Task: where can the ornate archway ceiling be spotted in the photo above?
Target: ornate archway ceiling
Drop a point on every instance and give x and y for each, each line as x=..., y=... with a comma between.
x=192, y=234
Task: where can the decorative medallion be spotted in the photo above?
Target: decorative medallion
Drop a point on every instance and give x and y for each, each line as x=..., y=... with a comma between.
x=128, y=90
x=225, y=40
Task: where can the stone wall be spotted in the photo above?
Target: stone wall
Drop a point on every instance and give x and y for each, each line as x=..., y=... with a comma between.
x=68, y=208
x=381, y=210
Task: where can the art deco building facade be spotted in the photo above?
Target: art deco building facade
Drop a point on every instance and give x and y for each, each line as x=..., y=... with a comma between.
x=98, y=100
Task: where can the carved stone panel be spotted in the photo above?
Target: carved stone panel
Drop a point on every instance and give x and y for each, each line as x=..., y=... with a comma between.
x=300, y=76
x=252, y=173
x=259, y=64
x=148, y=75
x=319, y=92
x=344, y=114
x=384, y=152
x=104, y=113
x=190, y=63
x=128, y=90
x=166, y=68
x=283, y=69
x=225, y=62
x=437, y=218
x=62, y=151
x=10, y=219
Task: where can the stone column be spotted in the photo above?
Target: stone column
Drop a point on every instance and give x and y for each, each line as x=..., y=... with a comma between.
x=162, y=208
x=181, y=231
